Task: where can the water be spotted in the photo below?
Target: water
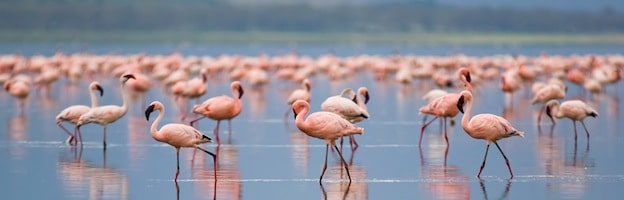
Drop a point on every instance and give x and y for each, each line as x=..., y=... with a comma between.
x=268, y=158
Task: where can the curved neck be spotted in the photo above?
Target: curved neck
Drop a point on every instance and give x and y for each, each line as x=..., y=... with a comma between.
x=94, y=101
x=466, y=118
x=154, y=127
x=124, y=97
x=300, y=118
x=361, y=103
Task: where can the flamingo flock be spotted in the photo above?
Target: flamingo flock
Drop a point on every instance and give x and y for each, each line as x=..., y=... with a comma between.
x=456, y=83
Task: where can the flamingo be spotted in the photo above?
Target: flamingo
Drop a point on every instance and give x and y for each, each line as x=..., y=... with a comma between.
x=71, y=114
x=546, y=93
x=177, y=135
x=104, y=115
x=221, y=107
x=576, y=110
x=346, y=106
x=19, y=87
x=303, y=93
x=488, y=127
x=445, y=106
x=326, y=126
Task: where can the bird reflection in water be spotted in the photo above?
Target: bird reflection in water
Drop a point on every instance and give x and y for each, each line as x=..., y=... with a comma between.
x=559, y=164
x=444, y=182
x=300, y=150
x=503, y=195
x=227, y=184
x=78, y=175
x=17, y=129
x=358, y=189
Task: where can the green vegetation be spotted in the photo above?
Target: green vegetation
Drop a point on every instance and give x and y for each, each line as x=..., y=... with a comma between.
x=306, y=37
x=418, y=22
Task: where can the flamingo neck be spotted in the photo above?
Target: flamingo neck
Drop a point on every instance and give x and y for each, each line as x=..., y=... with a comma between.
x=361, y=103
x=124, y=97
x=300, y=118
x=94, y=101
x=466, y=117
x=154, y=127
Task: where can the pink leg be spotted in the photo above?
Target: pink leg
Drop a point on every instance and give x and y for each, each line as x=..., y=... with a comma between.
x=178, y=167
x=487, y=148
x=354, y=144
x=216, y=132
x=445, y=134
x=70, y=139
x=422, y=129
x=324, y=165
x=193, y=121
x=506, y=160
x=343, y=162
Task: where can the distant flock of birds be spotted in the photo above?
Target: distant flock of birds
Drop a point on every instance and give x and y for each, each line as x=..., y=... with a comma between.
x=186, y=78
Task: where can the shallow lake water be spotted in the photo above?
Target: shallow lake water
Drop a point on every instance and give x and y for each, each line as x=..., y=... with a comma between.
x=266, y=157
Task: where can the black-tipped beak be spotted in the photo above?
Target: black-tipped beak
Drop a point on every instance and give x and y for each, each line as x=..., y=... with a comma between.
x=148, y=111
x=468, y=77
x=460, y=104
x=129, y=76
x=99, y=88
x=240, y=92
x=366, y=98
x=295, y=113
x=204, y=137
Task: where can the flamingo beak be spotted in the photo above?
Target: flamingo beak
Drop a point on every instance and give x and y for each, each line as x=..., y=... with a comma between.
x=129, y=76
x=548, y=111
x=366, y=98
x=240, y=92
x=460, y=104
x=148, y=111
x=468, y=77
x=99, y=88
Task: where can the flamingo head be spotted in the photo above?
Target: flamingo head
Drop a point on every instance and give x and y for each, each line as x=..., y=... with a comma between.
x=466, y=73
x=100, y=89
x=460, y=104
x=149, y=110
x=127, y=77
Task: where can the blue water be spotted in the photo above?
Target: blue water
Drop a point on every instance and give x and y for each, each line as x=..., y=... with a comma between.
x=268, y=158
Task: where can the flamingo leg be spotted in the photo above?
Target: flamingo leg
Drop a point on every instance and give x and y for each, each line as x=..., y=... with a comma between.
x=445, y=134
x=344, y=162
x=487, y=148
x=216, y=131
x=422, y=130
x=506, y=160
x=70, y=139
x=587, y=132
x=539, y=115
x=104, y=138
x=178, y=164
x=354, y=144
x=78, y=135
x=195, y=120
x=214, y=161
x=325, y=165
x=574, y=123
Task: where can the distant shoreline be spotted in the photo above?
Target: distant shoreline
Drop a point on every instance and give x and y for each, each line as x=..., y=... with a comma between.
x=265, y=37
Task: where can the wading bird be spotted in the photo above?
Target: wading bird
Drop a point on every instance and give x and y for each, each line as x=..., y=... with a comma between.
x=71, y=114
x=177, y=135
x=326, y=126
x=104, y=115
x=488, y=127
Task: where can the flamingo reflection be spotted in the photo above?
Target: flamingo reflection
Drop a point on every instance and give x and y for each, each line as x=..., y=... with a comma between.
x=78, y=175
x=358, y=189
x=444, y=182
x=557, y=163
x=226, y=184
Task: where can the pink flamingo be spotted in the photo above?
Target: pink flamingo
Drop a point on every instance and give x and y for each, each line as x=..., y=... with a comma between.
x=104, y=115
x=303, y=93
x=324, y=125
x=576, y=110
x=445, y=106
x=71, y=114
x=488, y=127
x=19, y=87
x=552, y=91
x=346, y=106
x=177, y=135
x=221, y=107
